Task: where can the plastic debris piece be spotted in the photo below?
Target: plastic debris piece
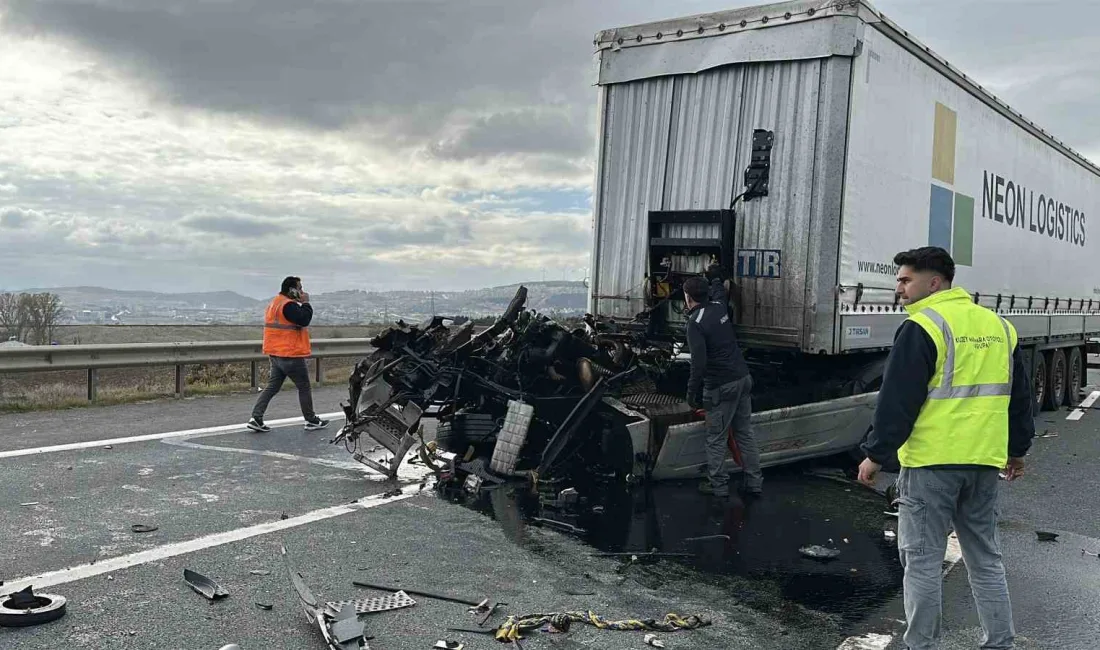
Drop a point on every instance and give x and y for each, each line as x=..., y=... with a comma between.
x=203, y=585
x=651, y=639
x=889, y=535
x=29, y=503
x=108, y=447
x=1045, y=536
x=143, y=528
x=818, y=552
x=264, y=605
x=448, y=645
x=260, y=572
x=231, y=646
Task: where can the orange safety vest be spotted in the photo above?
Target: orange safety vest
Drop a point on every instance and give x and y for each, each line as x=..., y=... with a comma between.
x=282, y=338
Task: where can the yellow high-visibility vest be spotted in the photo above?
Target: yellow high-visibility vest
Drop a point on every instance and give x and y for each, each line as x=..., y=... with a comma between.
x=964, y=420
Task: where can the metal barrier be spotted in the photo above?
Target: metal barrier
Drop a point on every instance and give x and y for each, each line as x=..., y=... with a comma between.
x=39, y=358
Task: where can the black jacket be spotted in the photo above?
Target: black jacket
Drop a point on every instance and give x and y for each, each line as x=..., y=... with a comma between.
x=716, y=358
x=299, y=314
x=909, y=369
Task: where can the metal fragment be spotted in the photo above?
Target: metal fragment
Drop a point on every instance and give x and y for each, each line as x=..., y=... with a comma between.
x=203, y=585
x=398, y=600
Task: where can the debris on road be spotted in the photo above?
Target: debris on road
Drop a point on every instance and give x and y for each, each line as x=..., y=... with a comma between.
x=651, y=639
x=890, y=535
x=1095, y=555
x=143, y=528
x=818, y=552
x=708, y=538
x=1045, y=536
x=203, y=585
x=340, y=628
x=515, y=625
x=416, y=592
x=265, y=606
x=25, y=608
x=29, y=503
x=448, y=645
x=260, y=572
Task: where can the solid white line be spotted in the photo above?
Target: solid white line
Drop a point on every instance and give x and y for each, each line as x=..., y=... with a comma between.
x=866, y=642
x=82, y=571
x=1075, y=414
x=325, y=462
x=1091, y=399
x=14, y=453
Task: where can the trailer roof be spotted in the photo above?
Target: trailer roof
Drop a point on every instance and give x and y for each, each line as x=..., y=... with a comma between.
x=748, y=19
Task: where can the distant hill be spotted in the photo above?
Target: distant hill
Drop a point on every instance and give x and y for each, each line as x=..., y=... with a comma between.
x=102, y=297
x=110, y=306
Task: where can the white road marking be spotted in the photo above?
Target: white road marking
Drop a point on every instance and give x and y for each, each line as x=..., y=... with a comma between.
x=1078, y=413
x=82, y=571
x=228, y=428
x=325, y=462
x=866, y=642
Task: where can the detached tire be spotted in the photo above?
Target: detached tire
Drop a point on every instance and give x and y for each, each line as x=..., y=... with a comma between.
x=46, y=608
x=1076, y=376
x=1056, y=388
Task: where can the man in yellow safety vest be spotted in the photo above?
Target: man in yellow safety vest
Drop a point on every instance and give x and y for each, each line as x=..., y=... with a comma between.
x=956, y=408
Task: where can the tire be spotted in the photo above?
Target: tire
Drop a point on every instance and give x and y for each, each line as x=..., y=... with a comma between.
x=1076, y=374
x=1039, y=379
x=46, y=608
x=1056, y=386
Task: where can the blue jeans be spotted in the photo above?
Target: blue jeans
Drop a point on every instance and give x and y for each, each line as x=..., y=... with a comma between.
x=931, y=502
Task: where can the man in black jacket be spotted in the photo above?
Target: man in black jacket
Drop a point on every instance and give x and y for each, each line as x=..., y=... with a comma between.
x=720, y=382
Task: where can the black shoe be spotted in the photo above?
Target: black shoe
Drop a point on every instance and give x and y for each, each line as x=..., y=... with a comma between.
x=257, y=424
x=753, y=493
x=706, y=488
x=316, y=425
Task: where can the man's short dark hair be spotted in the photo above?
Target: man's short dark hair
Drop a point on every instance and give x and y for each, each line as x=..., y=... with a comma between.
x=928, y=258
x=289, y=282
x=697, y=288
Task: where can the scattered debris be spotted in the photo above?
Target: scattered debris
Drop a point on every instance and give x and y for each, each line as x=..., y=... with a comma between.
x=203, y=585
x=639, y=555
x=341, y=628
x=515, y=625
x=284, y=517
x=265, y=606
x=260, y=572
x=818, y=552
x=890, y=535
x=1095, y=555
x=396, y=492
x=559, y=525
x=1047, y=434
x=144, y=528
x=1045, y=536
x=108, y=447
x=397, y=600
x=651, y=639
x=448, y=645
x=569, y=592
x=231, y=646
x=24, y=608
x=707, y=538
x=29, y=503
x=425, y=594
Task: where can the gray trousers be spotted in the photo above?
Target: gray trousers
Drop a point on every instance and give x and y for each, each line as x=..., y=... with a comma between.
x=731, y=405
x=931, y=501
x=298, y=371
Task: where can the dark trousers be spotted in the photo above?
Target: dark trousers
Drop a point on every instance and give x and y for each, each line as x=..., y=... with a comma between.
x=730, y=405
x=298, y=371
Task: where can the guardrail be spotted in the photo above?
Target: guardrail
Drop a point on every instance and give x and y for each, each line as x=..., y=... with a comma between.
x=38, y=358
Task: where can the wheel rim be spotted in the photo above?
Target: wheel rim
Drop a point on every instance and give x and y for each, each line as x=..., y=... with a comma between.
x=1059, y=379
x=1040, y=383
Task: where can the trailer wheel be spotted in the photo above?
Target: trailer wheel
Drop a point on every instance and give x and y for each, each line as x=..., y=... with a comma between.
x=1076, y=370
x=1056, y=387
x=1039, y=379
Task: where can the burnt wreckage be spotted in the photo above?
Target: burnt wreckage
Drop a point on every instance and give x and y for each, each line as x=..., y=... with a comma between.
x=525, y=397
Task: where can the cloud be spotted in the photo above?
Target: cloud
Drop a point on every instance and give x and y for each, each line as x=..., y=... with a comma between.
x=232, y=225
x=17, y=217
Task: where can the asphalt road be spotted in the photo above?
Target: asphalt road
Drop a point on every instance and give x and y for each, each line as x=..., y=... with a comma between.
x=225, y=500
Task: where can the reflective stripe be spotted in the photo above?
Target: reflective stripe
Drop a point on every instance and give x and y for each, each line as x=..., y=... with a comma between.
x=946, y=389
x=280, y=326
x=699, y=318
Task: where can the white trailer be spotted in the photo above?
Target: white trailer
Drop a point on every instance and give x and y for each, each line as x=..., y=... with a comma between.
x=877, y=145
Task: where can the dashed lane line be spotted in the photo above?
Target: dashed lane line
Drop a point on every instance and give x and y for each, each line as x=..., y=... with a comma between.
x=82, y=571
x=228, y=428
x=1079, y=412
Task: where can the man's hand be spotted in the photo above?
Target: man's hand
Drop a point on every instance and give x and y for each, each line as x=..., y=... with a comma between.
x=304, y=298
x=1014, y=469
x=868, y=469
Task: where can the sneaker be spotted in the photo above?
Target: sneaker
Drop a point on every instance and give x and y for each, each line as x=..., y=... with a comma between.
x=706, y=488
x=257, y=424
x=316, y=425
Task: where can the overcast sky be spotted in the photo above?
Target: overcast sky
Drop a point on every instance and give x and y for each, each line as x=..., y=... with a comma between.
x=192, y=145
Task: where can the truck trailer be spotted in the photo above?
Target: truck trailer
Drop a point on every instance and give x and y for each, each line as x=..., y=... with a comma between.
x=798, y=147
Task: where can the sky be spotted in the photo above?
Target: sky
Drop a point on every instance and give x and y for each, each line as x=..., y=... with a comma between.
x=206, y=145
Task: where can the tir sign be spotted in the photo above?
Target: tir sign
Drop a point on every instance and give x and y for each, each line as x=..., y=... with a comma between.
x=758, y=263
